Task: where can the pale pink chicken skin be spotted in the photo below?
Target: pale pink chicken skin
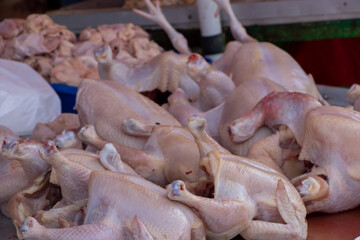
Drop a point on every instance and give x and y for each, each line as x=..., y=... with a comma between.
x=330, y=143
x=118, y=113
x=28, y=200
x=353, y=96
x=243, y=204
x=26, y=152
x=261, y=59
x=55, y=217
x=49, y=130
x=71, y=168
x=72, y=176
x=248, y=93
x=12, y=175
x=10, y=28
x=169, y=154
x=274, y=110
x=116, y=211
x=165, y=72
x=213, y=85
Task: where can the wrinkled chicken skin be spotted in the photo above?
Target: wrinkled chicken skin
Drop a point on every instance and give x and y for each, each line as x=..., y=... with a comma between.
x=12, y=178
x=26, y=152
x=161, y=161
x=261, y=59
x=116, y=211
x=12, y=175
x=28, y=200
x=215, y=86
x=165, y=72
x=248, y=93
x=255, y=204
x=109, y=105
x=72, y=176
x=73, y=213
x=330, y=143
x=277, y=108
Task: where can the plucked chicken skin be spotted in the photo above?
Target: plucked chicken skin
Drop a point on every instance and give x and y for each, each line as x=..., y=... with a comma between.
x=116, y=211
x=259, y=203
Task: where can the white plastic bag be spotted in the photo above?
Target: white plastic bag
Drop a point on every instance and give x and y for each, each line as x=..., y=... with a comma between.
x=25, y=98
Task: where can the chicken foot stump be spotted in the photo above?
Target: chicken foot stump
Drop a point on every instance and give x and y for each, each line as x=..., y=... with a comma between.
x=156, y=15
x=238, y=31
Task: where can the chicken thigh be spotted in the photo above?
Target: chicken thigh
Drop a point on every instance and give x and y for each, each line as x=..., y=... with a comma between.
x=120, y=115
x=330, y=143
x=169, y=154
x=261, y=59
x=250, y=198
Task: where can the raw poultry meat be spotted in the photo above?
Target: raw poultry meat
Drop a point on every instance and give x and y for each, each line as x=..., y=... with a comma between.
x=26, y=152
x=119, y=114
x=12, y=175
x=70, y=60
x=212, y=85
x=28, y=200
x=278, y=108
x=353, y=96
x=261, y=59
x=335, y=165
x=333, y=183
x=48, y=131
x=255, y=204
x=108, y=217
x=161, y=160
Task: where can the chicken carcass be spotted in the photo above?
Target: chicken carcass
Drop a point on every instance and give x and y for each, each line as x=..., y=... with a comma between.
x=116, y=210
x=26, y=152
x=261, y=59
x=258, y=203
x=330, y=139
x=12, y=175
x=275, y=109
x=120, y=115
x=161, y=161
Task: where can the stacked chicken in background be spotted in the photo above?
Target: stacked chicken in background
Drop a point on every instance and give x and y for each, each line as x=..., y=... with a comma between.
x=246, y=146
x=56, y=53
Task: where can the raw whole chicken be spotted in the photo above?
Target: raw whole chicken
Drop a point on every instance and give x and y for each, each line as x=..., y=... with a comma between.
x=333, y=184
x=120, y=115
x=12, y=175
x=213, y=85
x=161, y=161
x=320, y=132
x=254, y=59
x=259, y=203
x=116, y=210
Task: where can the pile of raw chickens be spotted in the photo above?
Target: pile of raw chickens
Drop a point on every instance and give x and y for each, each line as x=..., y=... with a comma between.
x=56, y=54
x=243, y=146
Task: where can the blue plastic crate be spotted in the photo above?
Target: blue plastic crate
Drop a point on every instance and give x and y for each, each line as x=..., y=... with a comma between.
x=67, y=96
